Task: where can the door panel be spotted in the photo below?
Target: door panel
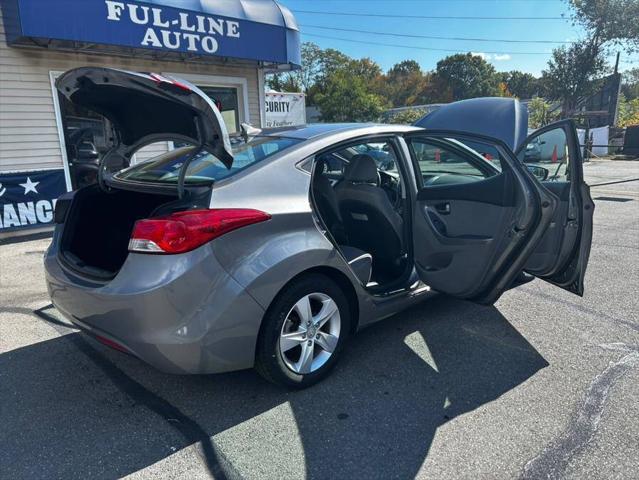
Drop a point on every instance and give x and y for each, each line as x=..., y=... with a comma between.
x=561, y=257
x=471, y=237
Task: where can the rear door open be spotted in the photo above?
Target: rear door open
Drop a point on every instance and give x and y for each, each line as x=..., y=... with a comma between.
x=475, y=222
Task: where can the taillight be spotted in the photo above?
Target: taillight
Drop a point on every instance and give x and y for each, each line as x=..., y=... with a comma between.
x=185, y=231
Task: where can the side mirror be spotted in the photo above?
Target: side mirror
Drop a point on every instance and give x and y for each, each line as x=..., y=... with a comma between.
x=540, y=173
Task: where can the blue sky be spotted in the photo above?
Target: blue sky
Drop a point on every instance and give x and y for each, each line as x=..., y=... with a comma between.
x=509, y=56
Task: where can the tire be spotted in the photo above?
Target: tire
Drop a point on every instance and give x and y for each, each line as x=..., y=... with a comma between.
x=288, y=368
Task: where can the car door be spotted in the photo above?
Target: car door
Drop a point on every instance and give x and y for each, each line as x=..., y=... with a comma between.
x=553, y=154
x=475, y=221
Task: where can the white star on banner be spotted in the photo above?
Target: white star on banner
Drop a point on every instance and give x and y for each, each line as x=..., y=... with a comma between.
x=29, y=186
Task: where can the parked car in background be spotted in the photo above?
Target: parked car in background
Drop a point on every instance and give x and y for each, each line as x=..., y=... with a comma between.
x=269, y=250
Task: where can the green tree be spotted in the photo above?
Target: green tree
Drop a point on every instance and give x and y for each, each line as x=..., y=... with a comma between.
x=467, y=76
x=283, y=82
x=608, y=22
x=346, y=98
x=572, y=74
x=520, y=84
x=630, y=84
x=405, y=117
x=539, y=113
x=628, y=113
x=405, y=84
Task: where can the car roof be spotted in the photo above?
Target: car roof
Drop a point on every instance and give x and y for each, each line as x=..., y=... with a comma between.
x=312, y=130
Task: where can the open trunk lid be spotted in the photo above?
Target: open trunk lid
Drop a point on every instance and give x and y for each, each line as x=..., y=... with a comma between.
x=145, y=108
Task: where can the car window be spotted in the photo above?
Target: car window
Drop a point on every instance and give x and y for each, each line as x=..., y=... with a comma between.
x=382, y=153
x=439, y=162
x=205, y=167
x=546, y=155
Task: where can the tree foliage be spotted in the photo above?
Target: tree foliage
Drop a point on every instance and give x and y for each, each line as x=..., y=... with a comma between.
x=345, y=98
x=613, y=22
x=572, y=74
x=521, y=85
x=539, y=113
x=405, y=117
x=628, y=113
x=467, y=76
x=630, y=84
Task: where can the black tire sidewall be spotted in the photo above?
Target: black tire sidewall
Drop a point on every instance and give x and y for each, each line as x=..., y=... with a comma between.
x=269, y=362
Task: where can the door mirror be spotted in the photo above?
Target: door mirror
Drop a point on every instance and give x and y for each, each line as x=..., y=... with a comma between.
x=540, y=173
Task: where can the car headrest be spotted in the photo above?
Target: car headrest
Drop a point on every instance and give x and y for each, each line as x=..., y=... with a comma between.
x=362, y=169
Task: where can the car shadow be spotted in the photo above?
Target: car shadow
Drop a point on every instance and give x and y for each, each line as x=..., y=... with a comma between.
x=73, y=409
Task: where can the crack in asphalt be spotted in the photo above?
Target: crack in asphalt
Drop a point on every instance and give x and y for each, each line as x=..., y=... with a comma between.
x=218, y=466
x=590, y=311
x=552, y=462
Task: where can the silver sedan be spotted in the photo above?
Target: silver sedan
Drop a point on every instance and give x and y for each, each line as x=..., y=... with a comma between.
x=270, y=248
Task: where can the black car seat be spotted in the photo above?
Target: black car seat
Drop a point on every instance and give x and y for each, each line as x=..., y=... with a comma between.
x=371, y=222
x=326, y=201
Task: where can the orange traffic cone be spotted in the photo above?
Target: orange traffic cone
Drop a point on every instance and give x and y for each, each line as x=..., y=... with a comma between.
x=554, y=154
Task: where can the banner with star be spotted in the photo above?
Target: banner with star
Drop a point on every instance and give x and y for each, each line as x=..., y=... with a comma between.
x=27, y=199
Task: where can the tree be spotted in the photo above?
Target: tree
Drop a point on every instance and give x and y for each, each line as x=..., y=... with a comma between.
x=630, y=84
x=283, y=82
x=520, y=84
x=628, y=113
x=539, y=114
x=346, y=98
x=608, y=22
x=572, y=73
x=405, y=84
x=467, y=76
x=406, y=117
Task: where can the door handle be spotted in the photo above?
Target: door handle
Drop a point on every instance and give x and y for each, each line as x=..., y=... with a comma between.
x=443, y=208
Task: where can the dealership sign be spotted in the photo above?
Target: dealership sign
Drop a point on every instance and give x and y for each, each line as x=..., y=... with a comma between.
x=200, y=28
x=28, y=199
x=285, y=109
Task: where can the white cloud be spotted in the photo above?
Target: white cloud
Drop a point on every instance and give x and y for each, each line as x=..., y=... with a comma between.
x=483, y=55
x=502, y=57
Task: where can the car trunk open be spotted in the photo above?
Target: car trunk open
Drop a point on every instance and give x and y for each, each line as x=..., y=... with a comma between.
x=98, y=227
x=146, y=108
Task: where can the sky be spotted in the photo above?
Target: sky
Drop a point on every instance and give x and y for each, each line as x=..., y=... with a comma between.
x=505, y=56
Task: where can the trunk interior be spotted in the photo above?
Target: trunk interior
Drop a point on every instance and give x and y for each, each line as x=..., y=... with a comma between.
x=99, y=225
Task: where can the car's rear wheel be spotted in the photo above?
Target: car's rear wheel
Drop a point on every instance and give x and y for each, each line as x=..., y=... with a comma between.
x=303, y=332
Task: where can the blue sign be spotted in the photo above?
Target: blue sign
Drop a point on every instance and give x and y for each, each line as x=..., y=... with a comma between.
x=28, y=199
x=158, y=25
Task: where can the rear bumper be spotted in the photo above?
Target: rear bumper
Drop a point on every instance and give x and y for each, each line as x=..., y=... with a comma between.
x=180, y=313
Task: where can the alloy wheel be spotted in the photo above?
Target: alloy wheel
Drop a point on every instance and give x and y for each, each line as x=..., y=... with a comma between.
x=310, y=333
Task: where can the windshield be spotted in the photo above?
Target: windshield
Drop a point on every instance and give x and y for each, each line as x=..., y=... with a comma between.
x=205, y=167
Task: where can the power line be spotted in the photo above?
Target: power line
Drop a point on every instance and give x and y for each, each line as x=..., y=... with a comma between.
x=432, y=37
x=417, y=47
x=430, y=17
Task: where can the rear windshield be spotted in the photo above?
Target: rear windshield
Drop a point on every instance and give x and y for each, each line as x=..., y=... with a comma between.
x=205, y=167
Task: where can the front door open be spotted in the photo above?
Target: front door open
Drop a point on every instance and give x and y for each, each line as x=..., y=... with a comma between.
x=553, y=155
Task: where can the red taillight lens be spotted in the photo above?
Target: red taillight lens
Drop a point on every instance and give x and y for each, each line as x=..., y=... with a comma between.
x=185, y=231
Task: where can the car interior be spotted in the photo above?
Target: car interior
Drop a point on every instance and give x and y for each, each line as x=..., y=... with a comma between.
x=358, y=194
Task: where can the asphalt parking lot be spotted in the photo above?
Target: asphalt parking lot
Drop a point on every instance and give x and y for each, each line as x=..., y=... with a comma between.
x=541, y=385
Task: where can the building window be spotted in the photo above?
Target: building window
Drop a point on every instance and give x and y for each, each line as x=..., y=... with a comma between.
x=227, y=102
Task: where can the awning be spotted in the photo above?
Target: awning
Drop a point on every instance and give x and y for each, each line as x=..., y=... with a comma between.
x=255, y=30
